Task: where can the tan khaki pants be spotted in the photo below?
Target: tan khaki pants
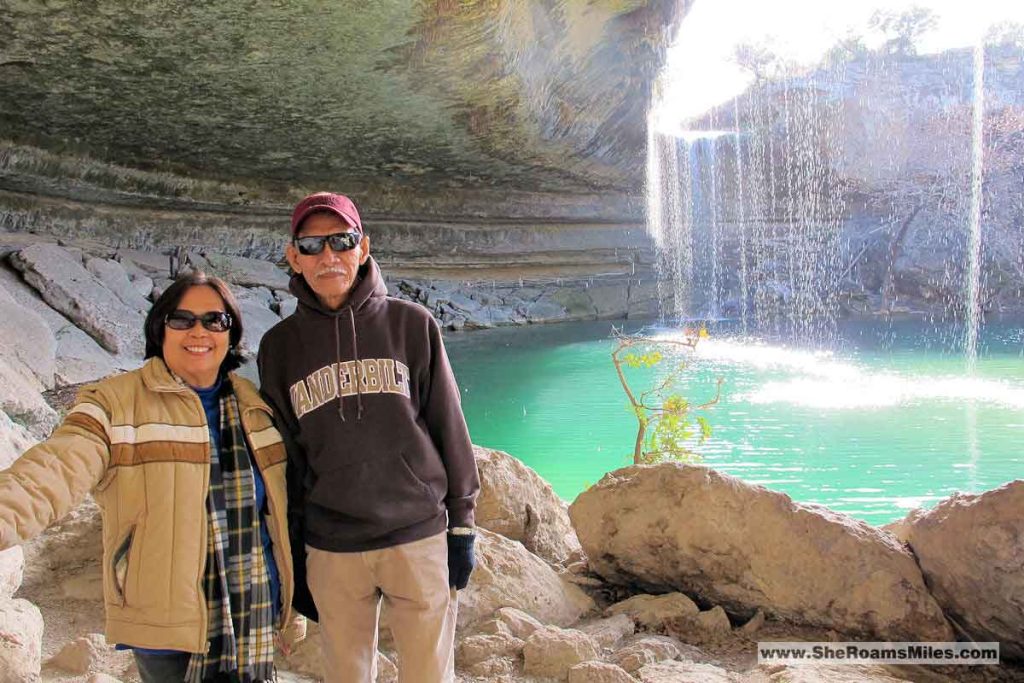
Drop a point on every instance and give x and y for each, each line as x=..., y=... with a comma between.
x=413, y=580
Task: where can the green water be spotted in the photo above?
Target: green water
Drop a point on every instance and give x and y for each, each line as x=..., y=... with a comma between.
x=888, y=421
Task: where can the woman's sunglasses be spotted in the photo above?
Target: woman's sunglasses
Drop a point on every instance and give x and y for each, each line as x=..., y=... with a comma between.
x=339, y=241
x=214, y=321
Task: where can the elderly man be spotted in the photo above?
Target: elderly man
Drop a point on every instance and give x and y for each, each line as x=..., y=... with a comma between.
x=381, y=468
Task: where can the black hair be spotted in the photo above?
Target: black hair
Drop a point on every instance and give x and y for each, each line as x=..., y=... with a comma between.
x=168, y=302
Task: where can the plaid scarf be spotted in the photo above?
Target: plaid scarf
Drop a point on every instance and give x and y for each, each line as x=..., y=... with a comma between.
x=237, y=584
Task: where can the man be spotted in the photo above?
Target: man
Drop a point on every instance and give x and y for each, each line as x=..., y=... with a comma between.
x=382, y=478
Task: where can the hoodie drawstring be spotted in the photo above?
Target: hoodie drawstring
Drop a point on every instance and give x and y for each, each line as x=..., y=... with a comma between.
x=355, y=353
x=337, y=355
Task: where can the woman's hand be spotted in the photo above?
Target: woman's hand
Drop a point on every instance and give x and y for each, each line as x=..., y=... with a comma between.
x=293, y=633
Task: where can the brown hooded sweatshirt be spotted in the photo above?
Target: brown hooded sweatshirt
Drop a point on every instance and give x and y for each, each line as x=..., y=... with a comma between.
x=370, y=412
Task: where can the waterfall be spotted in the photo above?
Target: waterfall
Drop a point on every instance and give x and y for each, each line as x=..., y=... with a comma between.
x=973, y=288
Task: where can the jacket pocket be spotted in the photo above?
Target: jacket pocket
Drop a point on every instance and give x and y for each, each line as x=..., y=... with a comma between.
x=119, y=566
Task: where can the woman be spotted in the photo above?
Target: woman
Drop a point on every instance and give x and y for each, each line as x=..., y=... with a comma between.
x=188, y=470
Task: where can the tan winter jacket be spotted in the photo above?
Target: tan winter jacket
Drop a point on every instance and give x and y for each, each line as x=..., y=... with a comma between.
x=139, y=441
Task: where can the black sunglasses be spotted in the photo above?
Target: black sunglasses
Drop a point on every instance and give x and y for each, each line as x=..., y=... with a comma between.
x=339, y=241
x=214, y=321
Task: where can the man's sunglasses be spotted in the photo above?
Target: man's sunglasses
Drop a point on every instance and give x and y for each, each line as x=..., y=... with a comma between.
x=339, y=241
x=214, y=321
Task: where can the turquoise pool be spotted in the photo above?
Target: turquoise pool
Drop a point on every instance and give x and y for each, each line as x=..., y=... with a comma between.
x=887, y=421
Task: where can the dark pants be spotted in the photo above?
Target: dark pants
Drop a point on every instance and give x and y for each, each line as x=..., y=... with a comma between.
x=170, y=668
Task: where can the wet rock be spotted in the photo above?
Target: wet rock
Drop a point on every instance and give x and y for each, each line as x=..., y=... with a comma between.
x=747, y=548
x=12, y=570
x=652, y=612
x=21, y=638
x=551, y=652
x=508, y=575
x=67, y=286
x=516, y=503
x=80, y=655
x=971, y=550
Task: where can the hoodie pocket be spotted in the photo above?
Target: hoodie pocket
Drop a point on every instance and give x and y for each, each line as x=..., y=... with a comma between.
x=119, y=566
x=372, y=498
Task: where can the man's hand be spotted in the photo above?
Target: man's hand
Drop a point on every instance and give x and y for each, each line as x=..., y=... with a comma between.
x=461, y=557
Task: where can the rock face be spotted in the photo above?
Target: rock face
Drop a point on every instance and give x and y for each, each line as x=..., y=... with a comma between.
x=21, y=634
x=516, y=503
x=971, y=550
x=745, y=548
x=66, y=285
x=507, y=575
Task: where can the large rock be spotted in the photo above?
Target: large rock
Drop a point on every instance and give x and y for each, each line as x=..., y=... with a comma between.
x=508, y=575
x=692, y=529
x=66, y=285
x=257, y=318
x=552, y=652
x=23, y=404
x=516, y=503
x=78, y=357
x=971, y=550
x=26, y=343
x=115, y=278
x=21, y=639
x=15, y=439
x=247, y=272
x=12, y=569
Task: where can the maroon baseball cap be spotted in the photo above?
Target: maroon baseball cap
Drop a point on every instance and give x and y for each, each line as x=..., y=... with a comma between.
x=338, y=204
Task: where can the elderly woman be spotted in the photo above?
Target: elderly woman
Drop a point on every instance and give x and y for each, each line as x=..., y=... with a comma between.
x=189, y=472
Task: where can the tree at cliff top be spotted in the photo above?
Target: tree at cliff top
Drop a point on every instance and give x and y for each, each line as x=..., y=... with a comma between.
x=667, y=428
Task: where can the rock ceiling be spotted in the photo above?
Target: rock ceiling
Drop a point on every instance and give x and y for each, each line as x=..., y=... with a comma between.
x=430, y=95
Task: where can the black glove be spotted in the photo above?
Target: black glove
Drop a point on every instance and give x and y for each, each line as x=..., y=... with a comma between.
x=461, y=559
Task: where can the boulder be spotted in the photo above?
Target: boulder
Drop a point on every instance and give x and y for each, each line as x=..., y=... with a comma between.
x=510, y=621
x=26, y=343
x=80, y=655
x=516, y=503
x=257, y=317
x=12, y=570
x=78, y=357
x=653, y=612
x=84, y=585
x=609, y=632
x=644, y=651
x=15, y=439
x=508, y=575
x=692, y=529
x=21, y=641
x=551, y=652
x=971, y=550
x=475, y=649
x=246, y=272
x=21, y=401
x=67, y=286
x=599, y=672
x=114, y=277
x=685, y=672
